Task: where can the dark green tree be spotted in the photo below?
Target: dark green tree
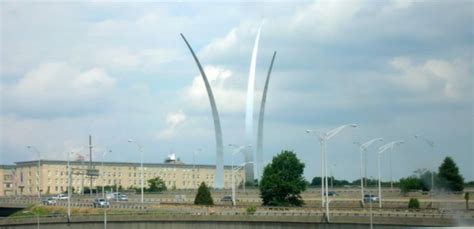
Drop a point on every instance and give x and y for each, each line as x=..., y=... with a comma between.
x=203, y=196
x=410, y=183
x=316, y=181
x=449, y=177
x=156, y=185
x=414, y=203
x=282, y=181
x=425, y=178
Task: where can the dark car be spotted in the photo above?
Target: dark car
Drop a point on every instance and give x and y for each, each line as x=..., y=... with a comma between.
x=331, y=193
x=226, y=198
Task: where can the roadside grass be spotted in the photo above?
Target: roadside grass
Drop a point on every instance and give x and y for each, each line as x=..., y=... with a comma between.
x=44, y=211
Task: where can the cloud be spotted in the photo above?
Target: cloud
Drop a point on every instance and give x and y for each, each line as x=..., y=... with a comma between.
x=228, y=98
x=56, y=88
x=173, y=120
x=436, y=79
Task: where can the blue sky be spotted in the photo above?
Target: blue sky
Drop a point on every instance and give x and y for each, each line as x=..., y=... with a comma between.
x=119, y=70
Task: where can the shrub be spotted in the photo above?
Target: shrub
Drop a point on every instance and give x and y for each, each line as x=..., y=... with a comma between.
x=251, y=210
x=203, y=196
x=466, y=197
x=414, y=203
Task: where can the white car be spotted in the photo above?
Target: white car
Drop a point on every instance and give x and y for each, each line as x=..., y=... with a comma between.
x=49, y=201
x=61, y=197
x=371, y=198
x=100, y=203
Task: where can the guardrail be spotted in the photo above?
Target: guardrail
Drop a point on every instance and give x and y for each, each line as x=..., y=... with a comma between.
x=259, y=213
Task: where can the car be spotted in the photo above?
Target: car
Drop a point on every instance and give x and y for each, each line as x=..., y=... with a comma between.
x=100, y=203
x=226, y=198
x=61, y=197
x=113, y=195
x=119, y=197
x=49, y=201
x=331, y=193
x=371, y=198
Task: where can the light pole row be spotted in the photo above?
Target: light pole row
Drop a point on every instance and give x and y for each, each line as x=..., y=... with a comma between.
x=323, y=138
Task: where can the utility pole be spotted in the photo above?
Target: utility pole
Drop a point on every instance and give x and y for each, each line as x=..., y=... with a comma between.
x=90, y=163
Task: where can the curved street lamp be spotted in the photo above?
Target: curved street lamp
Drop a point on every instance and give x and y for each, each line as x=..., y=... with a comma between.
x=69, y=181
x=323, y=138
x=38, y=171
x=194, y=165
x=237, y=149
x=432, y=146
x=363, y=153
x=140, y=148
x=382, y=149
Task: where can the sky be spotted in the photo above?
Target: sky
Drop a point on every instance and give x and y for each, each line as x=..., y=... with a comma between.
x=119, y=70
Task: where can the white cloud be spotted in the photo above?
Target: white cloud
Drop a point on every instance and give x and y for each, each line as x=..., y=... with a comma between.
x=440, y=79
x=173, y=120
x=228, y=98
x=57, y=87
x=326, y=17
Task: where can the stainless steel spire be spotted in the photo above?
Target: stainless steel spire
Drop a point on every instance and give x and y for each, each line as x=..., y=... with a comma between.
x=259, y=164
x=219, y=177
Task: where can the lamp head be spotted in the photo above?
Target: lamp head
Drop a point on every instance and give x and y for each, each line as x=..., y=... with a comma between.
x=354, y=125
x=130, y=140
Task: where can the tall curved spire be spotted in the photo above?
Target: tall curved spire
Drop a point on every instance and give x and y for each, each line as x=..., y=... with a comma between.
x=259, y=164
x=249, y=173
x=219, y=176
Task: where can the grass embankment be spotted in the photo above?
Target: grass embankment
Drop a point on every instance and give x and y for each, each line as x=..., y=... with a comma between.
x=43, y=211
x=39, y=210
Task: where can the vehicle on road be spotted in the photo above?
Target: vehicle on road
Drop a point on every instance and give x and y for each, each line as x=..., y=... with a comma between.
x=61, y=197
x=227, y=198
x=119, y=197
x=331, y=193
x=49, y=201
x=100, y=203
x=371, y=198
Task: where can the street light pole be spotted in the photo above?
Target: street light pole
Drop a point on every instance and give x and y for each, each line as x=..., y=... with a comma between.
x=331, y=174
x=432, y=145
x=323, y=138
x=103, y=173
x=383, y=148
x=194, y=166
x=38, y=171
x=237, y=149
x=363, y=151
x=69, y=186
x=380, y=188
x=233, y=177
x=140, y=148
x=321, y=142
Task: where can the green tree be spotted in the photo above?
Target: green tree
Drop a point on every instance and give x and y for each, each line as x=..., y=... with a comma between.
x=282, y=181
x=425, y=178
x=449, y=177
x=410, y=183
x=316, y=181
x=203, y=196
x=156, y=185
x=414, y=203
